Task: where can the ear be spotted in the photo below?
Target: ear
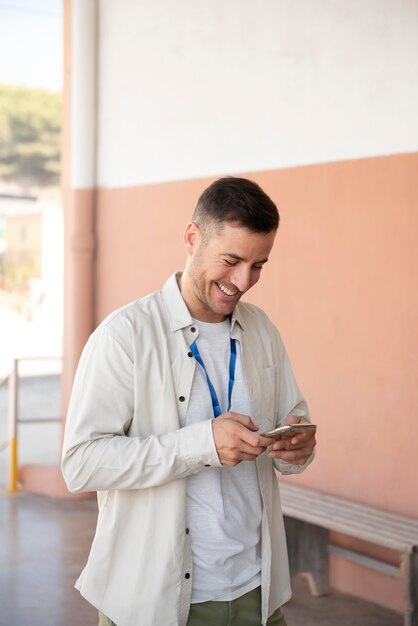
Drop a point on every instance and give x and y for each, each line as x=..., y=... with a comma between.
x=192, y=238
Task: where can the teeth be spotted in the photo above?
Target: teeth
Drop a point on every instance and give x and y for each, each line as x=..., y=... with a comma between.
x=227, y=291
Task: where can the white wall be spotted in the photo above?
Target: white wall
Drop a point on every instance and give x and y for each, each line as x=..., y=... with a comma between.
x=190, y=89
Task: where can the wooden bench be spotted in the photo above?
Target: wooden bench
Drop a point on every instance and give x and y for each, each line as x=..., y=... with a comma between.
x=310, y=516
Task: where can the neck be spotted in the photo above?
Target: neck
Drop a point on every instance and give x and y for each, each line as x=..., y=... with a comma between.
x=198, y=310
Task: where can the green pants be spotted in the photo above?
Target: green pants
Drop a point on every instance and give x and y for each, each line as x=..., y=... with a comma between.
x=244, y=611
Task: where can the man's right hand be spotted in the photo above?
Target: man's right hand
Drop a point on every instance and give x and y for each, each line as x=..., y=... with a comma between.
x=236, y=439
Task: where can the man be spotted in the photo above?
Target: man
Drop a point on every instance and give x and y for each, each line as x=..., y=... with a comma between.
x=170, y=397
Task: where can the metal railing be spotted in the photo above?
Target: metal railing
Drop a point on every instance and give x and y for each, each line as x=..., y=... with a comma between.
x=4, y=444
x=14, y=420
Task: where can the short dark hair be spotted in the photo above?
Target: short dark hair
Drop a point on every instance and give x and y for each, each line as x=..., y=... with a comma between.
x=236, y=200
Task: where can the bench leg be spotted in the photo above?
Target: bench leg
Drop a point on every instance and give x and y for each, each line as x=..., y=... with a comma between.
x=307, y=546
x=410, y=576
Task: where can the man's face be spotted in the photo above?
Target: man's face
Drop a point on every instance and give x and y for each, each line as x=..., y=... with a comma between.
x=221, y=268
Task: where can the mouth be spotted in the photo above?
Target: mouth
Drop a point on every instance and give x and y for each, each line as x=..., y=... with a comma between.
x=229, y=292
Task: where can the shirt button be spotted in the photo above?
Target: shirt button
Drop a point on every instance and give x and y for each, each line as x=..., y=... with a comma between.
x=190, y=354
x=193, y=329
x=187, y=575
x=187, y=531
x=182, y=398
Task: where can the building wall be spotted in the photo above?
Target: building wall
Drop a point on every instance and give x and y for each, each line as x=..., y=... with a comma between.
x=219, y=86
x=316, y=102
x=23, y=253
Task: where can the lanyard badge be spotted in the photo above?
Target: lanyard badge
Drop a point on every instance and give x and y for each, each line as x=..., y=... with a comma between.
x=232, y=362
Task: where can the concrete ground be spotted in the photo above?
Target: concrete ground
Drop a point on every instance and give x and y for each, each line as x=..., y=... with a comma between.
x=44, y=544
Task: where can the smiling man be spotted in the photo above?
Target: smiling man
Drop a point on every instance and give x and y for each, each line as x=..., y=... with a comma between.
x=170, y=397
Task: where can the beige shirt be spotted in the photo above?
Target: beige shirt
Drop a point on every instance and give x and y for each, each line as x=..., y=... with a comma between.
x=126, y=439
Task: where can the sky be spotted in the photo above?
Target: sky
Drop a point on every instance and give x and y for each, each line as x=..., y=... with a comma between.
x=31, y=43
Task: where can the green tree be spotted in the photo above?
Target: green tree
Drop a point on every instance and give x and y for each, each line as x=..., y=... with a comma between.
x=30, y=124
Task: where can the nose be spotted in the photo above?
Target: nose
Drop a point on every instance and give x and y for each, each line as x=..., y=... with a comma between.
x=242, y=278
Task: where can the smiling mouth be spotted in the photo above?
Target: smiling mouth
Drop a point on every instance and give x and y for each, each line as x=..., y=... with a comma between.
x=227, y=291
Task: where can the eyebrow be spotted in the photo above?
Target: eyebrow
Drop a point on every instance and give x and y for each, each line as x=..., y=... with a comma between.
x=240, y=258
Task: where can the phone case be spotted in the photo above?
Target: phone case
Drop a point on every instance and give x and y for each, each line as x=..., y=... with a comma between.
x=288, y=431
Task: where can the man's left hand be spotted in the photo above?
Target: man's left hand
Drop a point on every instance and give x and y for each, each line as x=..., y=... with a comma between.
x=296, y=449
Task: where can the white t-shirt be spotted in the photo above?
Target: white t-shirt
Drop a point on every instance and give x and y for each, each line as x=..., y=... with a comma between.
x=223, y=504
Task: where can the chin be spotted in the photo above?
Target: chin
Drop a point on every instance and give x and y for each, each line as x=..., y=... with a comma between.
x=225, y=310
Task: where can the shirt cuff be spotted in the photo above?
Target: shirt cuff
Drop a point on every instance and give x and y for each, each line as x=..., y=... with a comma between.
x=197, y=446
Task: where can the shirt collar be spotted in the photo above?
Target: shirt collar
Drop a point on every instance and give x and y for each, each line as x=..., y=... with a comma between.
x=237, y=317
x=179, y=314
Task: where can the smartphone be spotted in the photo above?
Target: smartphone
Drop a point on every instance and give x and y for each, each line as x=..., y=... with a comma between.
x=285, y=432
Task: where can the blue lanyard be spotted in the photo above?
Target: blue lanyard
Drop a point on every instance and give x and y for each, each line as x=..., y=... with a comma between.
x=232, y=360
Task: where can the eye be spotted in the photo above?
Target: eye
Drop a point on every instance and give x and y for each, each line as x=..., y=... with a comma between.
x=257, y=268
x=230, y=263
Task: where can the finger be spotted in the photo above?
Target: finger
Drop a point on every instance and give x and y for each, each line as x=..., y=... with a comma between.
x=239, y=431
x=232, y=462
x=245, y=420
x=300, y=438
x=304, y=440
x=279, y=444
x=292, y=419
x=233, y=457
x=255, y=440
x=237, y=438
x=266, y=441
x=296, y=443
x=288, y=443
x=245, y=448
x=292, y=456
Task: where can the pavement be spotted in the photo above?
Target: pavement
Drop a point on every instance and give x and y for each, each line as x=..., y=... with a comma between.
x=44, y=544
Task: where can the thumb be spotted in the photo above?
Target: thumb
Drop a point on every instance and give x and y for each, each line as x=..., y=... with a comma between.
x=293, y=419
x=245, y=420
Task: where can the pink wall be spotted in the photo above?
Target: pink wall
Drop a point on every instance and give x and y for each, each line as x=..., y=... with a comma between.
x=346, y=301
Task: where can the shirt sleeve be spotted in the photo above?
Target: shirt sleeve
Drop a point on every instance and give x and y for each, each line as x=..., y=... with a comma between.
x=291, y=402
x=97, y=453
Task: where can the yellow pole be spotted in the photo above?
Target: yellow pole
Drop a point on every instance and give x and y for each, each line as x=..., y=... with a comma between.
x=13, y=410
x=13, y=465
